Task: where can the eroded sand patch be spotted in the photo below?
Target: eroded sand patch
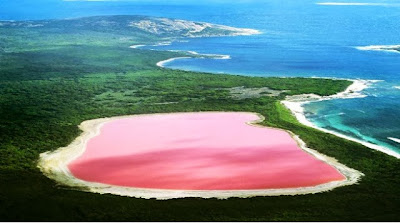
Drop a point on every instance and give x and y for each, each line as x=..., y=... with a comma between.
x=244, y=93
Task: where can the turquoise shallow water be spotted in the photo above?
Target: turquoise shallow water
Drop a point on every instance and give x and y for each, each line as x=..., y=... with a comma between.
x=372, y=119
x=300, y=38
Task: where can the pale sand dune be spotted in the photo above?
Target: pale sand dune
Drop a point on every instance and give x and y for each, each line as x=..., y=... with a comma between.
x=55, y=166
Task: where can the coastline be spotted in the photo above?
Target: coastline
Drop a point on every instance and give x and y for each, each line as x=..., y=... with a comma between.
x=295, y=105
x=212, y=56
x=54, y=165
x=239, y=32
x=161, y=63
x=198, y=56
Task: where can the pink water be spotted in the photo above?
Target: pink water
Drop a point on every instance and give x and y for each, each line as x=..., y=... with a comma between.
x=198, y=151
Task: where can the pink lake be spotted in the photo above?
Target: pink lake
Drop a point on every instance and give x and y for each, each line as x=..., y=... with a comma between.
x=198, y=151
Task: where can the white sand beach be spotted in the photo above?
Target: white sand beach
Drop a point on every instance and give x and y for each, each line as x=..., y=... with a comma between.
x=161, y=63
x=295, y=105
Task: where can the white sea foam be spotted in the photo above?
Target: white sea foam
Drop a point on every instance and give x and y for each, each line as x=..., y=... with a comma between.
x=394, y=139
x=353, y=3
x=193, y=52
x=157, y=44
x=136, y=46
x=163, y=44
x=331, y=115
x=218, y=56
x=213, y=56
x=224, y=57
x=386, y=48
x=295, y=105
x=247, y=32
x=176, y=51
x=397, y=87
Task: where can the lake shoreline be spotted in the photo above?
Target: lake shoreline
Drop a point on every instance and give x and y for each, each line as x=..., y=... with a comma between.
x=55, y=166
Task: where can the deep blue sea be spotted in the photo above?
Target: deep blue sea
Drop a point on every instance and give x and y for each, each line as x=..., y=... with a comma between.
x=299, y=38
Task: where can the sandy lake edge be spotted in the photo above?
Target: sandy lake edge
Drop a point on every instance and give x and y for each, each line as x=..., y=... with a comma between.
x=54, y=165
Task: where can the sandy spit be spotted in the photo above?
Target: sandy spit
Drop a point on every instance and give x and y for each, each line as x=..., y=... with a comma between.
x=161, y=63
x=54, y=165
x=201, y=56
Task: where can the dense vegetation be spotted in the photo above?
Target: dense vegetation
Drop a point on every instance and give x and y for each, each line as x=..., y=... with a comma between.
x=47, y=90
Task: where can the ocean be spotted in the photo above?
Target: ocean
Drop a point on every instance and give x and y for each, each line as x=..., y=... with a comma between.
x=299, y=38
